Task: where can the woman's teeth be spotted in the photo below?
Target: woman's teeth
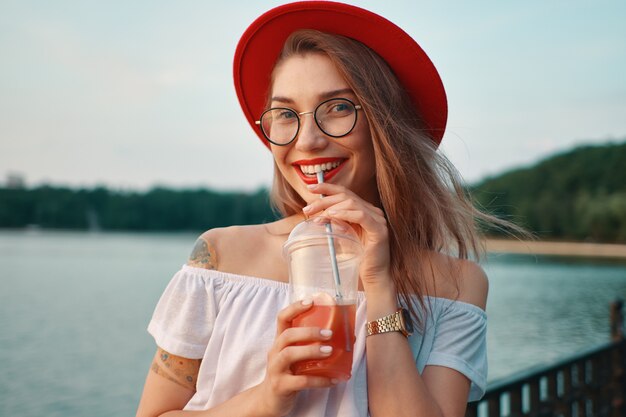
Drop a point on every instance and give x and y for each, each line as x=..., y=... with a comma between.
x=312, y=169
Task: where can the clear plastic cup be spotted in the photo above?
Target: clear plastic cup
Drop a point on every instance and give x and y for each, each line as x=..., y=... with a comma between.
x=324, y=257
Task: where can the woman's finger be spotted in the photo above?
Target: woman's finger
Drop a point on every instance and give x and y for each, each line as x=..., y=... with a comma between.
x=333, y=194
x=343, y=201
x=297, y=353
x=294, y=335
x=287, y=314
x=290, y=384
x=301, y=382
x=327, y=188
x=323, y=203
x=364, y=219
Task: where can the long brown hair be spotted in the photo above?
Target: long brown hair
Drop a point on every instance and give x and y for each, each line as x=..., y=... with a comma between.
x=426, y=207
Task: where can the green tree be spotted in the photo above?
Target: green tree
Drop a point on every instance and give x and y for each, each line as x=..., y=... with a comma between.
x=579, y=194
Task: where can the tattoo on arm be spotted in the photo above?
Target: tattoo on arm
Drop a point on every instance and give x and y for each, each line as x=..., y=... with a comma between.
x=181, y=371
x=203, y=255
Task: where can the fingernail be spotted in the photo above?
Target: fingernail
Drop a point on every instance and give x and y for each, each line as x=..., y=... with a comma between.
x=331, y=212
x=306, y=209
x=307, y=301
x=326, y=333
x=334, y=381
x=311, y=186
x=326, y=349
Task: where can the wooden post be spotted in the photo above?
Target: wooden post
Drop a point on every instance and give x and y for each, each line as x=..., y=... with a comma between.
x=472, y=410
x=567, y=391
x=515, y=401
x=534, y=395
x=553, y=399
x=494, y=406
x=578, y=382
x=597, y=386
x=617, y=320
x=618, y=383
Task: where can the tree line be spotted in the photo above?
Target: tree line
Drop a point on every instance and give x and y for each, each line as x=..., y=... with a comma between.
x=576, y=195
x=159, y=209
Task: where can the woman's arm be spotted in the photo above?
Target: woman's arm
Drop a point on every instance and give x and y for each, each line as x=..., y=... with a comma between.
x=395, y=387
x=172, y=379
x=170, y=384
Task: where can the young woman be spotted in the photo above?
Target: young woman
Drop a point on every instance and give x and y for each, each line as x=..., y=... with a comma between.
x=362, y=101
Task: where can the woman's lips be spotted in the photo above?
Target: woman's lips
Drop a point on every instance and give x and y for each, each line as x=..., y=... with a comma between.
x=328, y=175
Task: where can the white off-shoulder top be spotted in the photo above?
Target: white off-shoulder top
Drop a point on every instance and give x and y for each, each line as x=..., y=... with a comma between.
x=229, y=321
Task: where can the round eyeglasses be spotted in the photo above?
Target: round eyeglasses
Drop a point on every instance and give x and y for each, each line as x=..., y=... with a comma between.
x=335, y=117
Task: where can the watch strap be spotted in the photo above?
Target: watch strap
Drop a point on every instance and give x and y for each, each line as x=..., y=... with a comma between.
x=390, y=323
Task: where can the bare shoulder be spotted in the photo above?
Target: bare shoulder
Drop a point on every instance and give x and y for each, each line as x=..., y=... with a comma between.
x=459, y=279
x=204, y=254
x=216, y=246
x=251, y=250
x=474, y=284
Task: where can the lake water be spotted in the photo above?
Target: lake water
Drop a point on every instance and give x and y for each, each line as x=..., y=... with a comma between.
x=74, y=308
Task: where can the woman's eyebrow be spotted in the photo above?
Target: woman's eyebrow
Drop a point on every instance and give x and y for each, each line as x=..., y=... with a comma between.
x=334, y=93
x=282, y=99
x=322, y=96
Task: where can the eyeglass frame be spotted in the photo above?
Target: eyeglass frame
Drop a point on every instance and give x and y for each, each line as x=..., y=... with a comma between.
x=357, y=107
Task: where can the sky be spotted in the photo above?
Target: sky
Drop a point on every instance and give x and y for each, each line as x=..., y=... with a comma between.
x=133, y=94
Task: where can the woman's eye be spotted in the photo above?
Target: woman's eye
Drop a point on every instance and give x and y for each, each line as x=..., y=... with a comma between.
x=339, y=110
x=286, y=115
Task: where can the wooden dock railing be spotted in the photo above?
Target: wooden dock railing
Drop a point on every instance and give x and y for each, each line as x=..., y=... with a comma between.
x=591, y=383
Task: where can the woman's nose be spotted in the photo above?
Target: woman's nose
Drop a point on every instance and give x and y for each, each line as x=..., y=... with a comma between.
x=310, y=137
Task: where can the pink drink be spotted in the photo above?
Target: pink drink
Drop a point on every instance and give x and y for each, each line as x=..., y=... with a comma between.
x=339, y=319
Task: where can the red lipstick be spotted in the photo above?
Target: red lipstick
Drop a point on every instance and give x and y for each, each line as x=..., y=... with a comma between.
x=327, y=174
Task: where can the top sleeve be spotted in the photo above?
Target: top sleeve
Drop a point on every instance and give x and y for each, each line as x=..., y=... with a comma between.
x=460, y=343
x=183, y=318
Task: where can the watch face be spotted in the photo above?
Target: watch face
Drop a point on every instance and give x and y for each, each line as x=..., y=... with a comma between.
x=408, y=323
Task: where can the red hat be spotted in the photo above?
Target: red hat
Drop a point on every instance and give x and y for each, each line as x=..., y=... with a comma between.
x=261, y=43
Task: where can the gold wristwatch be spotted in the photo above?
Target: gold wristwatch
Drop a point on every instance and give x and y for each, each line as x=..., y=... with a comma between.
x=400, y=321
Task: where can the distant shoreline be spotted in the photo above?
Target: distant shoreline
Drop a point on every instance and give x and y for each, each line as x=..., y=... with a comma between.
x=600, y=250
x=523, y=247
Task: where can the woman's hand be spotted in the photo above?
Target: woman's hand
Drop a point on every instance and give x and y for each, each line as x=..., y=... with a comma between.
x=369, y=222
x=278, y=391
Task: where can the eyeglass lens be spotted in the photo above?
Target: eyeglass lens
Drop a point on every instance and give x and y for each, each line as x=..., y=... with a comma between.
x=335, y=117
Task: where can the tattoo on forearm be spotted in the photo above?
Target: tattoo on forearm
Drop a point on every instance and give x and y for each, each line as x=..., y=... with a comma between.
x=203, y=255
x=181, y=371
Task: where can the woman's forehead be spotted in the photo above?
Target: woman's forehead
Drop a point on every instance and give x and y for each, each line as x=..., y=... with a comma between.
x=310, y=75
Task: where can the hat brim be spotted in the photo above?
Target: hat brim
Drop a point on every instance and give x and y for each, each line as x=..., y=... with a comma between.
x=260, y=46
